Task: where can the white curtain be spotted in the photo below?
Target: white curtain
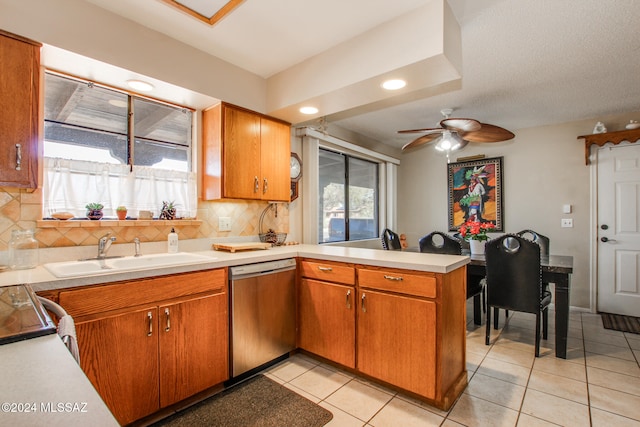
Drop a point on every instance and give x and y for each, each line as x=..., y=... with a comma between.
x=69, y=185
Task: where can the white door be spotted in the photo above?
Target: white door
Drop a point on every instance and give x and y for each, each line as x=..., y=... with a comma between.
x=619, y=229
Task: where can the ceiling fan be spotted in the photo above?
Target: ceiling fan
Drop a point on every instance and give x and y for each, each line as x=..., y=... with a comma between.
x=455, y=133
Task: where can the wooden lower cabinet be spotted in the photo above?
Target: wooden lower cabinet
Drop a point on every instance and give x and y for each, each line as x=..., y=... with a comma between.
x=193, y=342
x=396, y=341
x=149, y=352
x=121, y=361
x=405, y=328
x=327, y=325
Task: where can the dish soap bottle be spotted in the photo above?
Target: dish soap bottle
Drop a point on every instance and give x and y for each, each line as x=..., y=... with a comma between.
x=172, y=242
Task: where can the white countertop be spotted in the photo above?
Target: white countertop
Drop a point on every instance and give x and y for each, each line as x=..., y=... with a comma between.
x=42, y=385
x=41, y=279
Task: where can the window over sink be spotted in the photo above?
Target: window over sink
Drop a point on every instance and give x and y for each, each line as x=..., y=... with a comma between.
x=116, y=148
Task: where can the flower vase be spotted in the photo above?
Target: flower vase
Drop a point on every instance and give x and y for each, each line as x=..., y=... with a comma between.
x=477, y=247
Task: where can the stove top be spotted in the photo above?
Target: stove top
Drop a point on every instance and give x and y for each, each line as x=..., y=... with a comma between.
x=21, y=315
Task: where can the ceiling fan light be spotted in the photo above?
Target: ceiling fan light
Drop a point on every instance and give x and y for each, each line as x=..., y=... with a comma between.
x=450, y=141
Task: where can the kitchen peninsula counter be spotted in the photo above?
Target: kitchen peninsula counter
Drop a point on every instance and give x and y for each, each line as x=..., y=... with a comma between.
x=41, y=279
x=47, y=359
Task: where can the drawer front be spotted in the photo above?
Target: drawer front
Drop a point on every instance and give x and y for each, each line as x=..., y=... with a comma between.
x=98, y=299
x=330, y=272
x=422, y=285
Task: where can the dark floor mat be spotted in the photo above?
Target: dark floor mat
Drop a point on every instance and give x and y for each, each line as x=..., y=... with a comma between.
x=618, y=322
x=258, y=402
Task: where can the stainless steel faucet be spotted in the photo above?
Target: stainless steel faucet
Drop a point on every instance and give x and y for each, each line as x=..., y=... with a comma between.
x=104, y=243
x=136, y=242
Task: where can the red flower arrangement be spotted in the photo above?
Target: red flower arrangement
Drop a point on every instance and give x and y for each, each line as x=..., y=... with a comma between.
x=475, y=230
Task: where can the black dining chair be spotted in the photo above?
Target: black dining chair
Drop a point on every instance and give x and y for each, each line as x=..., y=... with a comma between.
x=514, y=281
x=390, y=240
x=438, y=242
x=542, y=241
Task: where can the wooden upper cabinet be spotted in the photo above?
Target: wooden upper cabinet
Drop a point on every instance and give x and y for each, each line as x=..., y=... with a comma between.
x=19, y=97
x=245, y=155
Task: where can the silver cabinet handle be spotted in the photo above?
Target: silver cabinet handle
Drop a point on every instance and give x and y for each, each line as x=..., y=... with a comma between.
x=166, y=312
x=364, y=309
x=394, y=278
x=265, y=186
x=18, y=157
x=150, y=316
x=256, y=184
x=349, y=299
x=325, y=268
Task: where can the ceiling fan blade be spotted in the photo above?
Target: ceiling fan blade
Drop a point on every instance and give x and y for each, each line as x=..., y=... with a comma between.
x=489, y=133
x=462, y=125
x=421, y=140
x=426, y=130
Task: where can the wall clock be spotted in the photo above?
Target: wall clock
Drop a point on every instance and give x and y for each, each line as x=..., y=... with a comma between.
x=295, y=173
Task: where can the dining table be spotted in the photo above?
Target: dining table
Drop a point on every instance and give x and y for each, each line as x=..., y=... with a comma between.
x=556, y=269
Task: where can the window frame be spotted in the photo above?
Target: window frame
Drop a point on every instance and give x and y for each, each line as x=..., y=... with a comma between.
x=130, y=130
x=312, y=140
x=347, y=157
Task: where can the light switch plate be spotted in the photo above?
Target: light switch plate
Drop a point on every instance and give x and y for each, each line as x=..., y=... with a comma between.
x=224, y=223
x=566, y=222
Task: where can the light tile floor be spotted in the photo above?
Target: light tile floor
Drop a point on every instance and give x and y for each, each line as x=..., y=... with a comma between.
x=598, y=384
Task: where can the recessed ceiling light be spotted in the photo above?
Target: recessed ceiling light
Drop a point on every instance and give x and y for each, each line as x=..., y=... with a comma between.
x=118, y=103
x=140, y=85
x=308, y=110
x=394, y=84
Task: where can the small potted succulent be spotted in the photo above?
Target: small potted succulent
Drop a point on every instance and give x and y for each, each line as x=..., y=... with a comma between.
x=94, y=210
x=121, y=211
x=168, y=210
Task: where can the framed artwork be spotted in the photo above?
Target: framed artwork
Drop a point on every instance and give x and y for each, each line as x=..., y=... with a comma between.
x=475, y=192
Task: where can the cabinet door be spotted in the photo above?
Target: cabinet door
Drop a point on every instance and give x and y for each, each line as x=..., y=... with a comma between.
x=241, y=154
x=397, y=341
x=119, y=354
x=19, y=68
x=327, y=320
x=275, y=152
x=193, y=346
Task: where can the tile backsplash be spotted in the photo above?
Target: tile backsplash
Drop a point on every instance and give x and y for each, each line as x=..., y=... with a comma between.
x=22, y=209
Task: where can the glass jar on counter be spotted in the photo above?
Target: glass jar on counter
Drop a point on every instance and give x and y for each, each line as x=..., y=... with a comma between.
x=23, y=250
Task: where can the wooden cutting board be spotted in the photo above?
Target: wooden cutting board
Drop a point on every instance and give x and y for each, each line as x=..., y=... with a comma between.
x=247, y=246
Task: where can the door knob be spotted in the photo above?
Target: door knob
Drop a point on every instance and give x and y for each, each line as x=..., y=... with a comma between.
x=604, y=226
x=606, y=239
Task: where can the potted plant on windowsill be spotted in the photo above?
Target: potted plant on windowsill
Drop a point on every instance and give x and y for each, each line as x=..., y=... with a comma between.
x=121, y=211
x=475, y=233
x=168, y=210
x=94, y=210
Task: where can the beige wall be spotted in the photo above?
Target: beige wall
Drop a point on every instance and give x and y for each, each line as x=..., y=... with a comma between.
x=544, y=168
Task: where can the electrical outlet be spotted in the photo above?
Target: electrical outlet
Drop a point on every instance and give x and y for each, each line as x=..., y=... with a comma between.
x=224, y=223
x=566, y=222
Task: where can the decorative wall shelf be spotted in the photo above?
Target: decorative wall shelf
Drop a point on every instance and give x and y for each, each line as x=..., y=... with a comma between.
x=599, y=139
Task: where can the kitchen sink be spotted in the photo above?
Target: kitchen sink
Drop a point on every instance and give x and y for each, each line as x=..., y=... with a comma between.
x=114, y=265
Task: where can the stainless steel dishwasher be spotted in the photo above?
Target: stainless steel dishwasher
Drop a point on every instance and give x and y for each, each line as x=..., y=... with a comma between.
x=262, y=314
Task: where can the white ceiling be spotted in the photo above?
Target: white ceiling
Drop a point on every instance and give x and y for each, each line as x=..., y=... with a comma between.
x=525, y=63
